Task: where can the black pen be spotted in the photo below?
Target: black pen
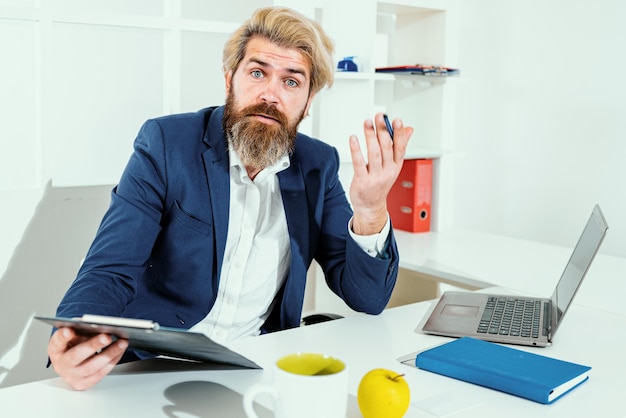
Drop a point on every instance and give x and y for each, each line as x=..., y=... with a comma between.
x=389, y=127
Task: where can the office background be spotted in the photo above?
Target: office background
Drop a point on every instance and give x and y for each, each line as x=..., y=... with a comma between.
x=537, y=123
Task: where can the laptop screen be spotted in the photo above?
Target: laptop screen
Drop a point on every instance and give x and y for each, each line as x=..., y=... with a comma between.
x=578, y=264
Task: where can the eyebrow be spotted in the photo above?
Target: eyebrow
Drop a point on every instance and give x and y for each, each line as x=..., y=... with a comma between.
x=264, y=64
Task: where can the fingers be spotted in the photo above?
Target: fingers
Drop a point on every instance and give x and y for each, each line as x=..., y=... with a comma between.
x=96, y=367
x=358, y=162
x=382, y=149
x=401, y=136
x=84, y=361
x=404, y=135
x=374, y=176
x=376, y=139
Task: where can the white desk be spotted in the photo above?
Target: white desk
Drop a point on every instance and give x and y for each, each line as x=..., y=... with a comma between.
x=365, y=342
x=477, y=260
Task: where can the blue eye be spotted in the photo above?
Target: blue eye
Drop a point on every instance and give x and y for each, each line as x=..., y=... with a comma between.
x=292, y=83
x=257, y=74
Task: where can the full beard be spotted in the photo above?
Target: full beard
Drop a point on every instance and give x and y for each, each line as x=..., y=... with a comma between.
x=259, y=144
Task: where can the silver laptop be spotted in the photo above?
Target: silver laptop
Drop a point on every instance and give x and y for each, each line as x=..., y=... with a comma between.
x=518, y=320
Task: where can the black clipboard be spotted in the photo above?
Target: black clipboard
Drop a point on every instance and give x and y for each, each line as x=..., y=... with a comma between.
x=149, y=336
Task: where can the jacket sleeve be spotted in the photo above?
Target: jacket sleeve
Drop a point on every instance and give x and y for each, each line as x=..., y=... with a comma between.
x=107, y=279
x=364, y=282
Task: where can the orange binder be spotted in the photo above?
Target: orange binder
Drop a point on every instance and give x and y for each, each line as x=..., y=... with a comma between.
x=409, y=200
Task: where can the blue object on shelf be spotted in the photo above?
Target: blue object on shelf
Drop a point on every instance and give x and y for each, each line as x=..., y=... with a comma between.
x=347, y=64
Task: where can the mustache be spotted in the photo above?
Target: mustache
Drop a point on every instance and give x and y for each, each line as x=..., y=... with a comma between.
x=267, y=110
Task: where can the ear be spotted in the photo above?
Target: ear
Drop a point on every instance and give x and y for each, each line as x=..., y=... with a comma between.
x=228, y=76
x=308, y=104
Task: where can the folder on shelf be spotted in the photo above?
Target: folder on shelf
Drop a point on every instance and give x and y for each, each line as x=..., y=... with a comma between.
x=409, y=200
x=528, y=375
x=420, y=69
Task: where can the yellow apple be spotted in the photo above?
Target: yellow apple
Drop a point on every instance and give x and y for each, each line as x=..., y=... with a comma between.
x=383, y=393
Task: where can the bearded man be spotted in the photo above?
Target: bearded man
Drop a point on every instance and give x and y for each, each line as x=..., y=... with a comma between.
x=219, y=213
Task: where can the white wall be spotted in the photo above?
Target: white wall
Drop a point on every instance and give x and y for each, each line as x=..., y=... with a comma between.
x=541, y=119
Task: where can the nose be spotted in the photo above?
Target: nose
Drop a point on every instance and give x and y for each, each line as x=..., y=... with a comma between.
x=269, y=94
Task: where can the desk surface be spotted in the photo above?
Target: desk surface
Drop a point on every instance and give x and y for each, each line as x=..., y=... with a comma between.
x=480, y=260
x=365, y=342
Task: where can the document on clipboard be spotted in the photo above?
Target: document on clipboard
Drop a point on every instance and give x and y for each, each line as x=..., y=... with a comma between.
x=149, y=336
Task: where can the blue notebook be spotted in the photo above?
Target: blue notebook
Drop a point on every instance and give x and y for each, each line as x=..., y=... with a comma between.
x=528, y=375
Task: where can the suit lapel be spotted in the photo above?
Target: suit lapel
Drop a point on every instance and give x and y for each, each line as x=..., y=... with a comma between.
x=295, y=202
x=218, y=179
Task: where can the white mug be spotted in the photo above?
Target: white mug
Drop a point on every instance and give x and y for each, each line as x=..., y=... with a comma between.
x=305, y=385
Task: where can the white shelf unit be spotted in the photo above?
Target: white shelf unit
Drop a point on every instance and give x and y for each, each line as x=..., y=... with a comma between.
x=392, y=33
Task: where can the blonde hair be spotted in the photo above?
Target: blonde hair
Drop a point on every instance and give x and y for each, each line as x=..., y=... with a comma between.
x=287, y=29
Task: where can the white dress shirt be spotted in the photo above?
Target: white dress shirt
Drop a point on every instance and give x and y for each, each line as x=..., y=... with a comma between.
x=258, y=254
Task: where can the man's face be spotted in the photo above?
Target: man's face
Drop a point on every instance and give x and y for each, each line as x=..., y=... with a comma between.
x=267, y=97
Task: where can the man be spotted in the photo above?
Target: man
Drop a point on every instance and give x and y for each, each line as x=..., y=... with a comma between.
x=219, y=213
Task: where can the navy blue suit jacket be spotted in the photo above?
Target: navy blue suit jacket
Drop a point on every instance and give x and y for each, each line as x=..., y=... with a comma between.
x=159, y=250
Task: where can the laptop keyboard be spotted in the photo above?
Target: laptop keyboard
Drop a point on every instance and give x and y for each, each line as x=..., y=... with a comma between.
x=512, y=316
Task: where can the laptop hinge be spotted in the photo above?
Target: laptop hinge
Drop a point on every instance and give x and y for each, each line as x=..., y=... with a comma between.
x=547, y=320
